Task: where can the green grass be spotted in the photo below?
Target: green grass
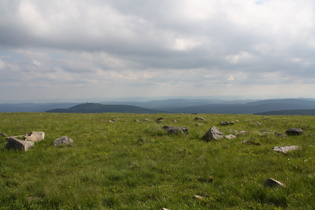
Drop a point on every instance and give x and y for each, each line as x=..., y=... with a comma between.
x=109, y=167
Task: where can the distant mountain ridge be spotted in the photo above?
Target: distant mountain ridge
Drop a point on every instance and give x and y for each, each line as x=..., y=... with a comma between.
x=171, y=106
x=100, y=108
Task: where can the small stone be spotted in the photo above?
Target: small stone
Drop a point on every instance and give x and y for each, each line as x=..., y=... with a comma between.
x=63, y=140
x=273, y=183
x=199, y=197
x=199, y=119
x=285, y=149
x=230, y=136
x=175, y=130
x=226, y=122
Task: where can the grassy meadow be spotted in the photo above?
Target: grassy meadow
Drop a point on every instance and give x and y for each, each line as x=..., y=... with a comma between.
x=137, y=165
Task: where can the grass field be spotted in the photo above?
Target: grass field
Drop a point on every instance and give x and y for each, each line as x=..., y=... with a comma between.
x=137, y=165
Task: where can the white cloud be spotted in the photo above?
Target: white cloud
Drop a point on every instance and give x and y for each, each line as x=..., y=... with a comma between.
x=163, y=46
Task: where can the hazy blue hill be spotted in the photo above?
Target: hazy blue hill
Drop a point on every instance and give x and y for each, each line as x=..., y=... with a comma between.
x=289, y=112
x=33, y=107
x=250, y=107
x=100, y=108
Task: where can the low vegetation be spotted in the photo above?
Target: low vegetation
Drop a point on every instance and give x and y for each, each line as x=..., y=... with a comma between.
x=122, y=164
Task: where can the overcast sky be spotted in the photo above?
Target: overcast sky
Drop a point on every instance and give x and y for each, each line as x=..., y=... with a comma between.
x=79, y=49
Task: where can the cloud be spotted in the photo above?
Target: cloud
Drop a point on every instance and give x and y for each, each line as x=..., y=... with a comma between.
x=162, y=46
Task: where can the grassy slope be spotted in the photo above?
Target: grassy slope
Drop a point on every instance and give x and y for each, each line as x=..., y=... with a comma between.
x=108, y=167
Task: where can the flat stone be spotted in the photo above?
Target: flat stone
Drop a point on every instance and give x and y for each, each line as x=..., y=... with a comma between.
x=17, y=144
x=230, y=136
x=35, y=136
x=294, y=131
x=285, y=149
x=273, y=183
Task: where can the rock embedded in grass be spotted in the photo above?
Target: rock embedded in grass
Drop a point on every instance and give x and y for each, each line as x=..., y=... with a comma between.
x=175, y=130
x=14, y=143
x=230, y=136
x=63, y=140
x=294, y=131
x=273, y=183
x=213, y=134
x=285, y=149
x=35, y=136
x=226, y=123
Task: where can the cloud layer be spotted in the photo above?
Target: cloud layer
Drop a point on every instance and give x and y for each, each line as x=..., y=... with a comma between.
x=71, y=49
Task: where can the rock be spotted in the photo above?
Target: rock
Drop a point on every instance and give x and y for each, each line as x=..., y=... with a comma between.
x=198, y=124
x=279, y=134
x=273, y=183
x=285, y=149
x=213, y=134
x=294, y=131
x=199, y=119
x=3, y=134
x=242, y=132
x=35, y=136
x=175, y=130
x=199, y=197
x=63, y=140
x=257, y=123
x=226, y=122
x=14, y=143
x=146, y=120
x=158, y=120
x=230, y=136
x=136, y=121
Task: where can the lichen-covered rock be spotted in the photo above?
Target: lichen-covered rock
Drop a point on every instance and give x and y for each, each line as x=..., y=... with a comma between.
x=213, y=134
x=285, y=149
x=14, y=143
x=35, y=136
x=63, y=140
x=230, y=136
x=294, y=131
x=175, y=130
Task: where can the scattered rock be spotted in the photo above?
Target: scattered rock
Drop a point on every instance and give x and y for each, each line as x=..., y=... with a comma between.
x=242, y=132
x=3, y=134
x=111, y=121
x=213, y=134
x=35, y=136
x=63, y=140
x=285, y=149
x=294, y=131
x=14, y=143
x=174, y=120
x=158, y=120
x=199, y=119
x=273, y=183
x=199, y=197
x=146, y=120
x=227, y=123
x=257, y=123
x=165, y=209
x=279, y=134
x=136, y=121
x=175, y=130
x=230, y=136
x=198, y=124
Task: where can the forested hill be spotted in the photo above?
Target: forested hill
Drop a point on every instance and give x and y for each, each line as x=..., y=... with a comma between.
x=100, y=108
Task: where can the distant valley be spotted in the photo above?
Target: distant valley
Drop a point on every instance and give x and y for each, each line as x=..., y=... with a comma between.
x=265, y=107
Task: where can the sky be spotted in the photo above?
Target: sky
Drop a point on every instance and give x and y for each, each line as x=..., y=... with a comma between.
x=66, y=50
